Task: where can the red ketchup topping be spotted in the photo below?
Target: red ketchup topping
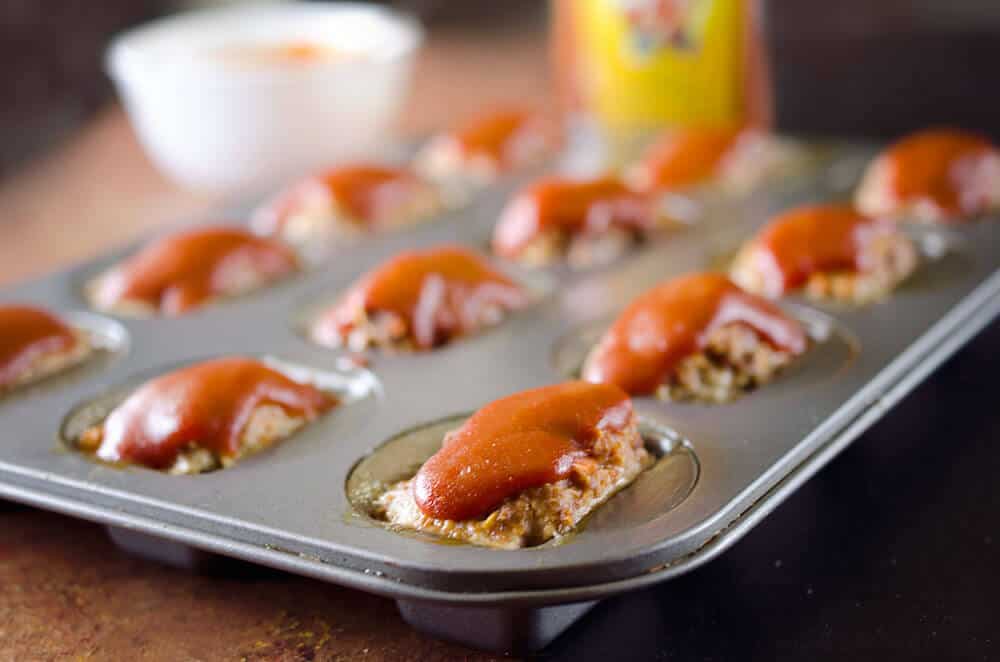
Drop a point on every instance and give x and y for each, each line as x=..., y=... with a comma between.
x=208, y=403
x=26, y=335
x=499, y=135
x=366, y=193
x=687, y=157
x=439, y=293
x=938, y=165
x=524, y=440
x=571, y=206
x=798, y=243
x=180, y=272
x=675, y=320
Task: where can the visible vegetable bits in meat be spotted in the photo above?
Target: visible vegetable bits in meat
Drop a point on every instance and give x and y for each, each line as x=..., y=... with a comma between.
x=695, y=337
x=419, y=300
x=204, y=416
x=181, y=272
x=585, y=222
x=830, y=251
x=524, y=469
x=349, y=200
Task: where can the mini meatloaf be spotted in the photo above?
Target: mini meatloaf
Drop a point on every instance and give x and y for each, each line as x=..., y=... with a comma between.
x=524, y=469
x=832, y=252
x=348, y=201
x=734, y=159
x=181, y=272
x=35, y=344
x=696, y=337
x=205, y=416
x=583, y=222
x=419, y=300
x=933, y=176
x=486, y=146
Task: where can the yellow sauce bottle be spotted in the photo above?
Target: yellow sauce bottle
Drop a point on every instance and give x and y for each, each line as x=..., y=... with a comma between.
x=638, y=65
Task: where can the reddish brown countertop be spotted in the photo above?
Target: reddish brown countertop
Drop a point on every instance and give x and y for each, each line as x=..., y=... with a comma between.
x=65, y=591
x=68, y=593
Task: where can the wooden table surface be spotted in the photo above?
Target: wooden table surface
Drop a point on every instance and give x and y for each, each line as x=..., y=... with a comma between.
x=65, y=591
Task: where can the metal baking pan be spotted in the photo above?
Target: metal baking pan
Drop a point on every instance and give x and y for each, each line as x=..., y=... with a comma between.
x=726, y=467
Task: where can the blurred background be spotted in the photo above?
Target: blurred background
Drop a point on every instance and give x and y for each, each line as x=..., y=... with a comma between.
x=53, y=55
x=75, y=180
x=853, y=67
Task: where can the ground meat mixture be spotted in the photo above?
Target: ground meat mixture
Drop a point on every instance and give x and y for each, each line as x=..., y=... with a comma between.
x=539, y=513
x=735, y=360
x=891, y=258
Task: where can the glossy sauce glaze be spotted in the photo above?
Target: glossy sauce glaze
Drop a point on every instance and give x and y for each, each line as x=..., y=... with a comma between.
x=816, y=238
x=938, y=165
x=208, y=404
x=364, y=193
x=687, y=157
x=26, y=335
x=573, y=207
x=180, y=272
x=673, y=321
x=499, y=135
x=525, y=440
x=439, y=293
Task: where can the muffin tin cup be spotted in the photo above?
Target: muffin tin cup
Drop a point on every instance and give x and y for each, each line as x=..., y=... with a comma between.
x=660, y=488
x=288, y=507
x=355, y=388
x=108, y=341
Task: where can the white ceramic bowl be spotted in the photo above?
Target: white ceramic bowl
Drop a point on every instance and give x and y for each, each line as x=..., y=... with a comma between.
x=223, y=123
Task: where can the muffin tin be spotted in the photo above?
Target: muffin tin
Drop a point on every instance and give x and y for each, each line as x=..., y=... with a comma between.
x=722, y=467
